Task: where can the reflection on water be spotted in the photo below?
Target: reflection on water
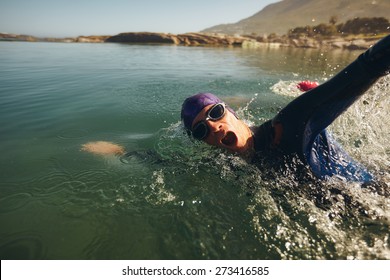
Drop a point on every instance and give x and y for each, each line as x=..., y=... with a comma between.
x=171, y=197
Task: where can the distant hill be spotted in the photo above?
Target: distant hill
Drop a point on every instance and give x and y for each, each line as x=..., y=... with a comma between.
x=280, y=17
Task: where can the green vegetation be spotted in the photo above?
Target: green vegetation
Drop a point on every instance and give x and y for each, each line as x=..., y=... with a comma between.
x=356, y=26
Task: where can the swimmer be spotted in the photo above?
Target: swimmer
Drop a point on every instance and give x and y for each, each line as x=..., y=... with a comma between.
x=299, y=129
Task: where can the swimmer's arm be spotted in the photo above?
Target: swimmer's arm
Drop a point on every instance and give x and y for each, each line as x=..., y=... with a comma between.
x=103, y=148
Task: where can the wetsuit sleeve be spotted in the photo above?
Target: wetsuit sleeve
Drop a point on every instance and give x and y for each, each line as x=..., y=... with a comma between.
x=304, y=120
x=309, y=114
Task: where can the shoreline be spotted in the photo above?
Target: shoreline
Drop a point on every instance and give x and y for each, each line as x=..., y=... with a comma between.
x=351, y=42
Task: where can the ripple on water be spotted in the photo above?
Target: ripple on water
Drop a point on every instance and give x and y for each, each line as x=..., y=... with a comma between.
x=50, y=183
x=14, y=202
x=22, y=246
x=71, y=134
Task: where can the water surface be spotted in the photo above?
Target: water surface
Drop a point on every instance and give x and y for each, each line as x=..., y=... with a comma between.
x=170, y=197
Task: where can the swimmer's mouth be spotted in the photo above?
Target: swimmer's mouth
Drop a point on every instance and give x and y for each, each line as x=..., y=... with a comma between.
x=230, y=139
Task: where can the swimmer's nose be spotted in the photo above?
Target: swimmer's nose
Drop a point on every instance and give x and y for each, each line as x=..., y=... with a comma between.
x=214, y=126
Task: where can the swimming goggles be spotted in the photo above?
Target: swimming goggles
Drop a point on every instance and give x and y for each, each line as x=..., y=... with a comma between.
x=201, y=130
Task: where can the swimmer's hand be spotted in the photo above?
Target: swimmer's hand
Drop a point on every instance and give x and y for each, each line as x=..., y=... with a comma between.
x=103, y=148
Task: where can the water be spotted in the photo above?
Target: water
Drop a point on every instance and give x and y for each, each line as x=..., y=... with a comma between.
x=170, y=197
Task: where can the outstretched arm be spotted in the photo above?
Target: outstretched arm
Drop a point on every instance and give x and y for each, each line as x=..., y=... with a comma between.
x=310, y=113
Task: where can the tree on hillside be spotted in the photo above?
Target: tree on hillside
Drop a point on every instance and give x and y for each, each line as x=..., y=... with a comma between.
x=374, y=25
x=333, y=20
x=325, y=29
x=366, y=26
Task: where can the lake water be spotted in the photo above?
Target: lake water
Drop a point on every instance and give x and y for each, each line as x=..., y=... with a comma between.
x=172, y=198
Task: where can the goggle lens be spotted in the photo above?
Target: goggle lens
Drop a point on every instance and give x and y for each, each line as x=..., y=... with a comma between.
x=201, y=129
x=216, y=112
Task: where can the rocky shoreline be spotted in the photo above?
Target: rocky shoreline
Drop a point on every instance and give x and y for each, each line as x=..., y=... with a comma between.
x=334, y=42
x=218, y=40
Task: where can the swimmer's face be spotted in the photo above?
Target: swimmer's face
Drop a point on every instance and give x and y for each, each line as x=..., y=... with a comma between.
x=227, y=132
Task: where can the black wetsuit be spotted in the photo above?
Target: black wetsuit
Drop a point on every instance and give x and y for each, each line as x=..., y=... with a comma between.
x=301, y=124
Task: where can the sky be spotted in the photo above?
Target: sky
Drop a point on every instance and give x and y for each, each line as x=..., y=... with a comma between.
x=71, y=18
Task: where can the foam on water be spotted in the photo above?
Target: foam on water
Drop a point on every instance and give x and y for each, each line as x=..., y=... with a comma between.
x=364, y=128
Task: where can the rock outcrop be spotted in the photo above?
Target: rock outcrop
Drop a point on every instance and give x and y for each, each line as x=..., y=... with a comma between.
x=91, y=39
x=142, y=37
x=187, y=39
x=198, y=39
x=28, y=38
x=17, y=37
x=347, y=43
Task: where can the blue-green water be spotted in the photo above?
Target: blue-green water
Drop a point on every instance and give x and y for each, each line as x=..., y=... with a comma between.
x=174, y=198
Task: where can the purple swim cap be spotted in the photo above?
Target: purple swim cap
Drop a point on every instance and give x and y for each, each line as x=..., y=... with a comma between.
x=194, y=104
